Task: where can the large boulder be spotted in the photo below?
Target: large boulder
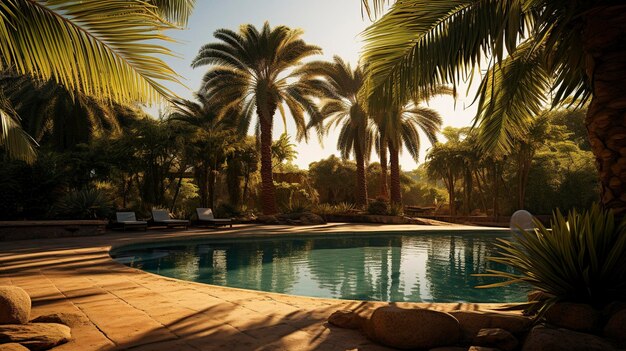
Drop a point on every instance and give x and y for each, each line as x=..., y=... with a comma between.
x=35, y=336
x=574, y=316
x=69, y=319
x=412, y=328
x=13, y=347
x=268, y=219
x=497, y=338
x=615, y=328
x=346, y=319
x=472, y=322
x=309, y=218
x=15, y=305
x=542, y=338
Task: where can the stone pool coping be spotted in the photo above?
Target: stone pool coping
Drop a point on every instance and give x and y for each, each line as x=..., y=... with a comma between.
x=120, y=308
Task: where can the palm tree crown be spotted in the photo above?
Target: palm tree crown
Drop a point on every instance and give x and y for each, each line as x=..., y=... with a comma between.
x=253, y=71
x=344, y=107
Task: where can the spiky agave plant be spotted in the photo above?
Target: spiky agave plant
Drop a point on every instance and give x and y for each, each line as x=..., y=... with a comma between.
x=582, y=258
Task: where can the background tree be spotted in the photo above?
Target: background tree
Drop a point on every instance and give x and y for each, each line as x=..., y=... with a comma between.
x=253, y=71
x=324, y=175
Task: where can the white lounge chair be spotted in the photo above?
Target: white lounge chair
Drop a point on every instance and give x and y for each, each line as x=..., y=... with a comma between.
x=162, y=217
x=128, y=220
x=205, y=215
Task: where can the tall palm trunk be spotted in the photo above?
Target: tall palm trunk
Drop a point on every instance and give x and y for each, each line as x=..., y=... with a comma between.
x=604, y=42
x=202, y=180
x=384, y=189
x=361, y=181
x=212, y=176
x=268, y=191
x=450, y=183
x=394, y=158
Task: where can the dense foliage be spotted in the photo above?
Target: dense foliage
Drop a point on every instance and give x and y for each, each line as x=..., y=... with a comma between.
x=581, y=259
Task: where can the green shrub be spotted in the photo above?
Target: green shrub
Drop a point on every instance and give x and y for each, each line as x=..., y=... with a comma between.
x=582, y=259
x=225, y=210
x=343, y=208
x=296, y=206
x=396, y=210
x=378, y=207
x=88, y=203
x=323, y=209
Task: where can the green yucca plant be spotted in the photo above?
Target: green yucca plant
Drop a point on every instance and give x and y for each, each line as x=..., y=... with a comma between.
x=89, y=203
x=323, y=209
x=343, y=208
x=581, y=259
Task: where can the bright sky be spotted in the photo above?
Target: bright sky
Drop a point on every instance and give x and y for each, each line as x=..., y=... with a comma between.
x=333, y=25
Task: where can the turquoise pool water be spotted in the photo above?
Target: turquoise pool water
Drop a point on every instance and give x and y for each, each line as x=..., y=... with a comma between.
x=429, y=267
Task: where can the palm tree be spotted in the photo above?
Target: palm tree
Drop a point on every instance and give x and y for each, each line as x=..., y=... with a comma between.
x=400, y=125
x=573, y=49
x=102, y=49
x=55, y=116
x=254, y=71
x=344, y=106
x=209, y=142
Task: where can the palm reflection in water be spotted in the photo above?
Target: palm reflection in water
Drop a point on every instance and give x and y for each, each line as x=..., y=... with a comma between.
x=427, y=267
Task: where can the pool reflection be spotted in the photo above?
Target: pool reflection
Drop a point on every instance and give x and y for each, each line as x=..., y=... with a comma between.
x=430, y=268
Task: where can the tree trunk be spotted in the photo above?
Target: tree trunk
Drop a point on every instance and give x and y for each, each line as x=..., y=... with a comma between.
x=496, y=191
x=604, y=43
x=384, y=189
x=201, y=174
x=361, y=181
x=211, y=184
x=468, y=187
x=178, y=184
x=451, y=194
x=268, y=191
x=396, y=194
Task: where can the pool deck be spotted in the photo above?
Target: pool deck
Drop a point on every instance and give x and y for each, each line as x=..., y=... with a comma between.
x=121, y=308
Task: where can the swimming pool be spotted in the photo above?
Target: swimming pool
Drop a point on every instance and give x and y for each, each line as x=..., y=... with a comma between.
x=417, y=266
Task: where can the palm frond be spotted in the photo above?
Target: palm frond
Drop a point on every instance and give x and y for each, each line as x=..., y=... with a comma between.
x=112, y=44
x=511, y=94
x=419, y=44
x=177, y=11
x=16, y=143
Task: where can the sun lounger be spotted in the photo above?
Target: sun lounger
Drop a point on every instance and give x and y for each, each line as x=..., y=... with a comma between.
x=128, y=220
x=205, y=216
x=162, y=217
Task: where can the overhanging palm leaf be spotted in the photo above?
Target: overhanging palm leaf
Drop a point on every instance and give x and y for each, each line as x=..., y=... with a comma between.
x=16, y=142
x=419, y=43
x=177, y=11
x=511, y=94
x=100, y=48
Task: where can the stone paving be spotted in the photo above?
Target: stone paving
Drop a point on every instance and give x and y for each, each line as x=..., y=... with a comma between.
x=121, y=308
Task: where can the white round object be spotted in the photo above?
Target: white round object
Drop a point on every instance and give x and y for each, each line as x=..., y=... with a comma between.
x=522, y=219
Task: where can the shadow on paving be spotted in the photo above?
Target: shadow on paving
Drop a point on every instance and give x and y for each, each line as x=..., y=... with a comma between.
x=217, y=328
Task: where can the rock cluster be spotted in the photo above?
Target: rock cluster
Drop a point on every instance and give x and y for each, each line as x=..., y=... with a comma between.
x=17, y=334
x=567, y=326
x=305, y=218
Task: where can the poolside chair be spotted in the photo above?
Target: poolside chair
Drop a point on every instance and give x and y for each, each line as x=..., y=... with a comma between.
x=205, y=216
x=128, y=220
x=162, y=217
